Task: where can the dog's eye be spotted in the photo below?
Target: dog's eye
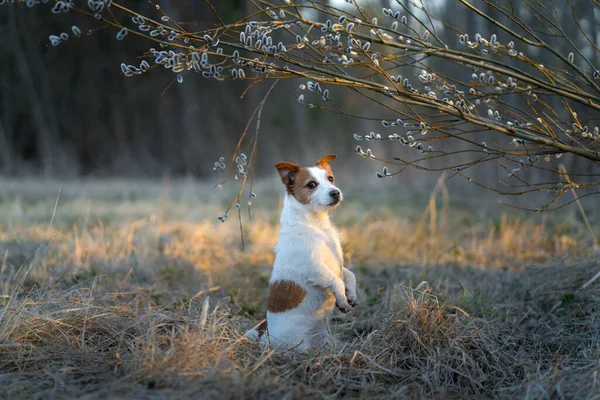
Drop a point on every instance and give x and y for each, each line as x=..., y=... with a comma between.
x=311, y=185
x=330, y=179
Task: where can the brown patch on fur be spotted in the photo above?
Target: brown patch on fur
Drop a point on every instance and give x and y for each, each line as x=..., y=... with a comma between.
x=298, y=188
x=295, y=178
x=284, y=295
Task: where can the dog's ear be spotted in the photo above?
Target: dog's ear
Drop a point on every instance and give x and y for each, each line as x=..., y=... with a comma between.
x=287, y=172
x=324, y=161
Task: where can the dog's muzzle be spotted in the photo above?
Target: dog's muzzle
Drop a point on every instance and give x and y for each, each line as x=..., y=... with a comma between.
x=336, y=197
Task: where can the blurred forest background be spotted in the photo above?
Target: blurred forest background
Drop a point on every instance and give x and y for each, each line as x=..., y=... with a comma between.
x=68, y=111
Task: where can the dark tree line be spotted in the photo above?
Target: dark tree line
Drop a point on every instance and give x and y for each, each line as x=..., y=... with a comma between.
x=443, y=86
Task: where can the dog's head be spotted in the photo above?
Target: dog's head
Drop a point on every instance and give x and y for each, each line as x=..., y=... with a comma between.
x=314, y=187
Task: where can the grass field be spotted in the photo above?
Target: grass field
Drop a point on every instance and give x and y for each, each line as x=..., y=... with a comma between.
x=135, y=290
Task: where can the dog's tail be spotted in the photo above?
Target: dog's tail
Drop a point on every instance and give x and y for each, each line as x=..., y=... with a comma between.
x=258, y=332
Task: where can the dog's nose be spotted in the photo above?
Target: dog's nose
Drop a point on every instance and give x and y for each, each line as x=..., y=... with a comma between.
x=335, y=194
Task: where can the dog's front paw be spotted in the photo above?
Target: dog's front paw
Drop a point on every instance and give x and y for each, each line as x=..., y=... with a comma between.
x=343, y=306
x=351, y=299
x=353, y=303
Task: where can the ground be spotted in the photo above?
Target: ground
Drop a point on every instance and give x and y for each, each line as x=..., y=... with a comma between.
x=136, y=290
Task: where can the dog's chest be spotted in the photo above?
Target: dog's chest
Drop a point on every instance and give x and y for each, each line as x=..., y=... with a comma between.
x=333, y=252
x=316, y=245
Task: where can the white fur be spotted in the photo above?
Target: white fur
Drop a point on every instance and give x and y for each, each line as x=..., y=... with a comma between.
x=309, y=253
x=321, y=199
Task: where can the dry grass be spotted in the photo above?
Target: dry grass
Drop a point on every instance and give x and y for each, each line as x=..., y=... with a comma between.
x=108, y=302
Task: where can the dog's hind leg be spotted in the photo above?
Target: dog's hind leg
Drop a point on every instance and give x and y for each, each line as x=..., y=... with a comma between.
x=258, y=332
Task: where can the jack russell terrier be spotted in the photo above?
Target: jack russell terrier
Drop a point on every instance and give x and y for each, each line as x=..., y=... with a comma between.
x=308, y=276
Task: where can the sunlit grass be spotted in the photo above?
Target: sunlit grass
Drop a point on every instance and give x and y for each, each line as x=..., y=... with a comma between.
x=107, y=300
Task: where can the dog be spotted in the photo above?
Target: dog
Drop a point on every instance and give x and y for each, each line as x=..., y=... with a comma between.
x=308, y=276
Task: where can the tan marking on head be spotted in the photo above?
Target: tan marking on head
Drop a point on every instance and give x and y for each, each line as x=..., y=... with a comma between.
x=323, y=163
x=295, y=178
x=284, y=295
x=287, y=172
